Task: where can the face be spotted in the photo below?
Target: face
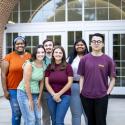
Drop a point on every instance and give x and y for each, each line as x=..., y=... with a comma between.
x=48, y=47
x=40, y=54
x=19, y=46
x=80, y=47
x=97, y=43
x=58, y=54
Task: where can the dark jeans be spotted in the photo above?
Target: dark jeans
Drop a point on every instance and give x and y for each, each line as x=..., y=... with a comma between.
x=95, y=110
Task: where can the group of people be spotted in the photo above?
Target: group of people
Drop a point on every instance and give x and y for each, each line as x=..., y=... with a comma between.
x=47, y=79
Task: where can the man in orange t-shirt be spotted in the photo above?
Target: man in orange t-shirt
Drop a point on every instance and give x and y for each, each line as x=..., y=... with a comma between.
x=11, y=75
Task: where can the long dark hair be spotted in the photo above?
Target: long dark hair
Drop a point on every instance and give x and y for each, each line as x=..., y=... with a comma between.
x=33, y=57
x=74, y=52
x=63, y=63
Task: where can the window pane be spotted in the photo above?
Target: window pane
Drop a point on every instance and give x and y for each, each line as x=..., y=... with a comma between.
x=123, y=72
x=50, y=38
x=59, y=4
x=116, y=39
x=90, y=14
x=28, y=40
x=57, y=40
x=35, y=40
x=74, y=14
x=89, y=3
x=60, y=15
x=24, y=16
x=123, y=81
x=114, y=14
x=70, y=38
x=70, y=48
x=101, y=3
x=117, y=81
x=25, y=5
x=15, y=17
x=114, y=3
x=122, y=52
x=123, y=39
x=8, y=39
x=36, y=4
x=78, y=35
x=102, y=14
x=116, y=52
x=74, y=4
x=117, y=63
x=123, y=13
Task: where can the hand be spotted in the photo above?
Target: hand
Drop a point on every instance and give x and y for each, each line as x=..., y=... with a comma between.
x=7, y=95
x=31, y=105
x=56, y=97
x=39, y=103
x=108, y=93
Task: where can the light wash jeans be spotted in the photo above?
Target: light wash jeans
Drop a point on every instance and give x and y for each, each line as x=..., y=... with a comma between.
x=45, y=111
x=30, y=117
x=16, y=113
x=58, y=109
x=76, y=105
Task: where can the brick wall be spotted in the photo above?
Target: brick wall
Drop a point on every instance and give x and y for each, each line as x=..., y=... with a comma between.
x=6, y=6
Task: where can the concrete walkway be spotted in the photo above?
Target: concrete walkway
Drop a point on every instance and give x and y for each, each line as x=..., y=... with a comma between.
x=116, y=113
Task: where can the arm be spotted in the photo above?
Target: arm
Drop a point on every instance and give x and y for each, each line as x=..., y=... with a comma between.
x=49, y=88
x=111, y=85
x=40, y=94
x=81, y=81
x=4, y=71
x=27, y=76
x=41, y=89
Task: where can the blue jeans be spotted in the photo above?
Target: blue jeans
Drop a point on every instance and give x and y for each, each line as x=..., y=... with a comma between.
x=76, y=105
x=30, y=117
x=58, y=110
x=16, y=113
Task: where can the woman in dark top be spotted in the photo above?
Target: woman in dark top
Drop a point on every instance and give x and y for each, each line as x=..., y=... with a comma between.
x=58, y=79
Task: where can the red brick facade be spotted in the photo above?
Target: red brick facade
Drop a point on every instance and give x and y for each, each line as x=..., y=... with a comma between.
x=6, y=6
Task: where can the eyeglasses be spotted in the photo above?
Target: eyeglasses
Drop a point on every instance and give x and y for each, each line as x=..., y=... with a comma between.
x=96, y=42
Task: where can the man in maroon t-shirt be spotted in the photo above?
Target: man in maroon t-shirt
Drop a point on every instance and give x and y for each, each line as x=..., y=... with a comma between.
x=94, y=69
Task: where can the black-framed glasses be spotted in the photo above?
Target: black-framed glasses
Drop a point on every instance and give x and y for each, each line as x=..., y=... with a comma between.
x=96, y=41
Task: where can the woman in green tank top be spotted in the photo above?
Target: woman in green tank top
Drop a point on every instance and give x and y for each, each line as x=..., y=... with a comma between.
x=30, y=88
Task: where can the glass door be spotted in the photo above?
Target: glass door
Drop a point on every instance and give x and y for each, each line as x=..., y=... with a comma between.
x=117, y=48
